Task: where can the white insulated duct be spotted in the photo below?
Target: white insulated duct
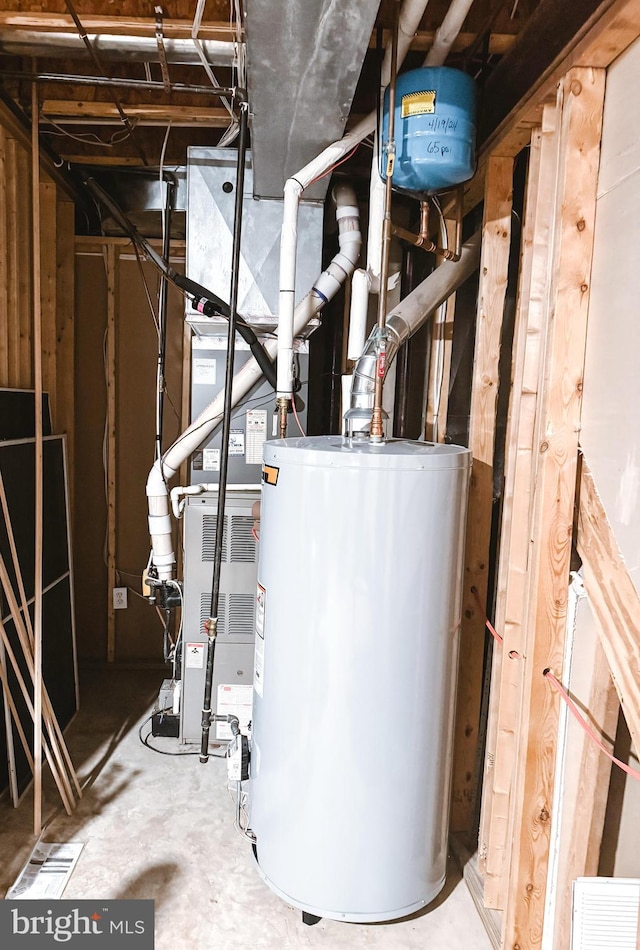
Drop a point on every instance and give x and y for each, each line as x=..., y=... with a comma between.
x=409, y=20
x=407, y=317
x=326, y=287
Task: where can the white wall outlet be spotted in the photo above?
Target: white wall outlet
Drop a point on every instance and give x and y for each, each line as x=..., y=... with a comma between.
x=119, y=598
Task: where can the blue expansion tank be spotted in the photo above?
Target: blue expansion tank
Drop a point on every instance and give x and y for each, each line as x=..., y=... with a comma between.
x=435, y=130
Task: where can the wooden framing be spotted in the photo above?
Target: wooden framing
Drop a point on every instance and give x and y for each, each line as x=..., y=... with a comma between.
x=614, y=598
x=113, y=25
x=581, y=100
x=494, y=265
x=511, y=602
x=111, y=447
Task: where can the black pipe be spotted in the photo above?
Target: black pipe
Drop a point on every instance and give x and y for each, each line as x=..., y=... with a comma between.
x=212, y=303
x=162, y=315
x=212, y=623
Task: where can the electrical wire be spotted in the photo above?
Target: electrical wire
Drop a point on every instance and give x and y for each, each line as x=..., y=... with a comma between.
x=297, y=418
x=595, y=738
x=86, y=138
x=334, y=166
x=145, y=740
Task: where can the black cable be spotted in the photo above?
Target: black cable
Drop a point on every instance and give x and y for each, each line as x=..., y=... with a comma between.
x=145, y=740
x=212, y=304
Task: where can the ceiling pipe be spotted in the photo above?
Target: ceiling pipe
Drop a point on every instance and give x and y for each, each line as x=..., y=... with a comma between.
x=447, y=32
x=410, y=15
x=403, y=321
x=326, y=287
x=133, y=49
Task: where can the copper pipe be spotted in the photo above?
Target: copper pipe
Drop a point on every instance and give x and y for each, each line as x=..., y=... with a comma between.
x=422, y=239
x=377, y=430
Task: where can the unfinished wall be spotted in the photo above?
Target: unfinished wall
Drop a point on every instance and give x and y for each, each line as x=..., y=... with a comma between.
x=610, y=434
x=16, y=283
x=116, y=348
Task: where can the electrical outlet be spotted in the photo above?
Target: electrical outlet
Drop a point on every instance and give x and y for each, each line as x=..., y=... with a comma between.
x=119, y=598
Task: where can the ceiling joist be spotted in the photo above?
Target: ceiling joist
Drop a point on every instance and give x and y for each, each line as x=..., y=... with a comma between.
x=114, y=26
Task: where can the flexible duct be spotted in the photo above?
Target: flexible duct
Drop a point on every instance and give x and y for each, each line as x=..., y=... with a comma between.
x=410, y=314
x=326, y=287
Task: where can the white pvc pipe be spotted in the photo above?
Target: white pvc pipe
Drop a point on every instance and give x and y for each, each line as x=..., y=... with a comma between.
x=360, y=287
x=409, y=20
x=326, y=287
x=447, y=32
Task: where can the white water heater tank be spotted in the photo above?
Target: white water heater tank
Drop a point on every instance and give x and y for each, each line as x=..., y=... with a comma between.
x=359, y=598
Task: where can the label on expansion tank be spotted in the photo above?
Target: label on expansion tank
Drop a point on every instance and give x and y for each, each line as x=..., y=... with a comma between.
x=258, y=662
x=418, y=103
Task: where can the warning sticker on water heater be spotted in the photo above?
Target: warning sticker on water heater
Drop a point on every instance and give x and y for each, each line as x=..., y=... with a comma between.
x=258, y=665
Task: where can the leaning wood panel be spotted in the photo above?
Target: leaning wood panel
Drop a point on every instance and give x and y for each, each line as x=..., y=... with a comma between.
x=614, y=598
x=496, y=232
x=511, y=599
x=582, y=94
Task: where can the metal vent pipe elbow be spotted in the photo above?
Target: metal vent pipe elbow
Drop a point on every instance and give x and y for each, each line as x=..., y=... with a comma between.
x=409, y=315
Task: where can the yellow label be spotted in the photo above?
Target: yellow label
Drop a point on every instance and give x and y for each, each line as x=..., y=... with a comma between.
x=418, y=103
x=270, y=474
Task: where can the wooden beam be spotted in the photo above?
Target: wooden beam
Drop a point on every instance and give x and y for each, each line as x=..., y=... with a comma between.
x=511, y=593
x=494, y=265
x=440, y=360
x=582, y=98
x=614, y=598
x=25, y=255
x=114, y=25
x=63, y=110
x=111, y=447
x=499, y=43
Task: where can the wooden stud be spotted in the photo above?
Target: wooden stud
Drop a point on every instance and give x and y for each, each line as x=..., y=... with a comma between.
x=39, y=477
x=111, y=448
x=494, y=264
x=4, y=318
x=511, y=599
x=48, y=240
x=440, y=362
x=583, y=777
x=614, y=598
x=13, y=294
x=582, y=96
x=25, y=263
x=64, y=419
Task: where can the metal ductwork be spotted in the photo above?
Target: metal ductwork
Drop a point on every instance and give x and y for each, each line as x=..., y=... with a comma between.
x=132, y=49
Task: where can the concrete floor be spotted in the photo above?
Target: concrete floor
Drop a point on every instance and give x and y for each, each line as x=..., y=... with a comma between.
x=162, y=828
